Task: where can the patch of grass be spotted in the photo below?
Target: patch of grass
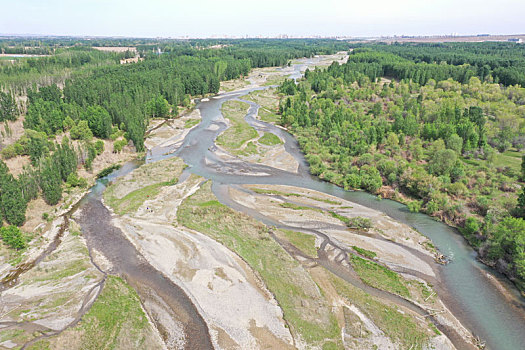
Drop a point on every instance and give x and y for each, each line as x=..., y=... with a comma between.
x=43, y=344
x=330, y=346
x=275, y=192
x=64, y=271
x=379, y=276
x=369, y=254
x=251, y=148
x=357, y=222
x=270, y=139
x=190, y=123
x=212, y=203
x=10, y=334
x=434, y=328
x=117, y=311
x=268, y=116
x=397, y=326
x=510, y=159
x=133, y=200
x=302, y=241
x=297, y=207
x=274, y=80
x=325, y=200
x=303, y=305
x=16, y=260
x=340, y=217
x=240, y=131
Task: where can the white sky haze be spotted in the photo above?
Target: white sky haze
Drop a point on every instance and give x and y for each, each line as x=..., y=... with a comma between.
x=205, y=18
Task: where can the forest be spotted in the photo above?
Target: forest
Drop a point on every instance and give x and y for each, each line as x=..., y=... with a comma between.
x=75, y=97
x=426, y=127
x=495, y=62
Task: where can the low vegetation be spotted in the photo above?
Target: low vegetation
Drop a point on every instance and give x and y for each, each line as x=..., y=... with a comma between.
x=302, y=241
x=304, y=307
x=13, y=237
x=269, y=103
x=356, y=222
x=270, y=139
x=365, y=252
x=128, y=193
x=190, y=123
x=116, y=320
x=379, y=276
x=240, y=132
x=397, y=326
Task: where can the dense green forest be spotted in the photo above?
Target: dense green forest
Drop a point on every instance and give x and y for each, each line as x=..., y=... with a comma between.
x=81, y=96
x=441, y=138
x=490, y=61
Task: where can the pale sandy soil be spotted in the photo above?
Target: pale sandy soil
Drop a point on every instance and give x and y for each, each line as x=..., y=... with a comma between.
x=16, y=130
x=273, y=156
x=277, y=157
x=172, y=132
x=16, y=165
x=52, y=294
x=232, y=85
x=239, y=310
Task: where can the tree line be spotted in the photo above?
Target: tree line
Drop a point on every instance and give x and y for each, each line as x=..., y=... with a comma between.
x=499, y=62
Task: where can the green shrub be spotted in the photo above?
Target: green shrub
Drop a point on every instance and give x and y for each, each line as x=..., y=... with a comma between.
x=119, y=145
x=108, y=170
x=352, y=181
x=73, y=180
x=99, y=146
x=414, y=206
x=13, y=237
x=81, y=131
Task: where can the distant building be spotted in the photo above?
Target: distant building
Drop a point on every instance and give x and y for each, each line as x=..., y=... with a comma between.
x=516, y=40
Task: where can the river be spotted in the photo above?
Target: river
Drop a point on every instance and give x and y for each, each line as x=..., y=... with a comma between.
x=464, y=287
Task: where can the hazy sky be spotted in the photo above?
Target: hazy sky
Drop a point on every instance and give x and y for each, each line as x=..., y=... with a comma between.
x=198, y=18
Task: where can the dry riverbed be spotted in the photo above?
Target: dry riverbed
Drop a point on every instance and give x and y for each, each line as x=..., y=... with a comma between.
x=239, y=310
x=223, y=260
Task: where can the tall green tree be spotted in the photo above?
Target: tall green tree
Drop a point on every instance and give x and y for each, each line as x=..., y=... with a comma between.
x=12, y=202
x=8, y=107
x=50, y=181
